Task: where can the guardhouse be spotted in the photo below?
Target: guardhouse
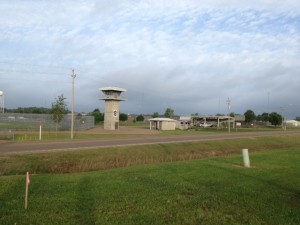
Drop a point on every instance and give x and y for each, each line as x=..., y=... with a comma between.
x=112, y=98
x=162, y=124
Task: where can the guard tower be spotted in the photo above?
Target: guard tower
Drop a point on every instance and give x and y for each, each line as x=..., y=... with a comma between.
x=112, y=100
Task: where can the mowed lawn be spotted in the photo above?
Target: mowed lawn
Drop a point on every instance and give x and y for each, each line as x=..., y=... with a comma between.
x=208, y=191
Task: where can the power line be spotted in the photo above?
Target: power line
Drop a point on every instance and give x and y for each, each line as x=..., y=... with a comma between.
x=36, y=65
x=32, y=72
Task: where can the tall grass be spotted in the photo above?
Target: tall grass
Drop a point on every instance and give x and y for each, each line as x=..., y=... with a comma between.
x=106, y=158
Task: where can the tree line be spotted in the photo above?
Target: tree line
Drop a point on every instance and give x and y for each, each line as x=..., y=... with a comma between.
x=59, y=109
x=274, y=118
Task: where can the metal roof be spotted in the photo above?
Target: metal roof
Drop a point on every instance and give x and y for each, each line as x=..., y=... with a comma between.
x=112, y=89
x=162, y=119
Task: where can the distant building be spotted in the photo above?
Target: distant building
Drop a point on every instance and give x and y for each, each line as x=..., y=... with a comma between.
x=184, y=122
x=292, y=123
x=209, y=121
x=162, y=124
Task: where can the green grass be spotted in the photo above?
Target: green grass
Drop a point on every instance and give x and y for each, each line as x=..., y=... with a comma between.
x=66, y=135
x=211, y=191
x=106, y=158
x=26, y=132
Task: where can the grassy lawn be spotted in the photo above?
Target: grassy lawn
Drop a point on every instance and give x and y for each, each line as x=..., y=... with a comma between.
x=66, y=135
x=107, y=158
x=46, y=135
x=210, y=191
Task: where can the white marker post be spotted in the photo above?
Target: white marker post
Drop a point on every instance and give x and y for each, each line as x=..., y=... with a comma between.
x=246, y=158
x=26, y=191
x=40, y=137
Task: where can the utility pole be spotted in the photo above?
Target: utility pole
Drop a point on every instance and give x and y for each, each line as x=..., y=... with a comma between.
x=72, y=119
x=282, y=118
x=228, y=107
x=268, y=103
x=1, y=102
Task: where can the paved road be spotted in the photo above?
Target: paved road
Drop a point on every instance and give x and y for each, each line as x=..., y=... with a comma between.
x=13, y=147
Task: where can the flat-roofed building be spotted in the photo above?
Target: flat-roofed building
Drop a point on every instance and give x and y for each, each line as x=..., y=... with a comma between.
x=162, y=124
x=292, y=123
x=184, y=122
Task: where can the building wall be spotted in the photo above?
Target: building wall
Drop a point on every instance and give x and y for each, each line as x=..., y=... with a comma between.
x=168, y=125
x=183, y=124
x=111, y=116
x=162, y=125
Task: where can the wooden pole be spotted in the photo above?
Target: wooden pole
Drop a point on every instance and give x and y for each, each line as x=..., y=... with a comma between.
x=26, y=191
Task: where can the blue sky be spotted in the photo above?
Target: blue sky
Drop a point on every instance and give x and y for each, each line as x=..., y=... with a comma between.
x=188, y=55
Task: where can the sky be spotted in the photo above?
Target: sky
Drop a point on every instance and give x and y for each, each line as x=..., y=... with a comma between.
x=189, y=55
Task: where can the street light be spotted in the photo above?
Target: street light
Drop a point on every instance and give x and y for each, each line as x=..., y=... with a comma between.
x=282, y=120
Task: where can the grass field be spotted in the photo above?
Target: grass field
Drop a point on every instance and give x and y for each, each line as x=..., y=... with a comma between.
x=106, y=158
x=210, y=191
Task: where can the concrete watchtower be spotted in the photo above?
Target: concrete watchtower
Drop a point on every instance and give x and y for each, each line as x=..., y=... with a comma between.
x=112, y=106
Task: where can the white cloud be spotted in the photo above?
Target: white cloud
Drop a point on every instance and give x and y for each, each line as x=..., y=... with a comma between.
x=181, y=53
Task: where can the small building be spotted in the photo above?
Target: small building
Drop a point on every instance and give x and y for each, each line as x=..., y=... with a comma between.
x=292, y=123
x=162, y=124
x=184, y=123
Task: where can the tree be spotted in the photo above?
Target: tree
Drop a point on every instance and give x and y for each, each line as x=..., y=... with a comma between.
x=140, y=118
x=249, y=116
x=35, y=110
x=123, y=117
x=275, y=118
x=97, y=115
x=169, y=113
x=155, y=115
x=58, y=110
x=263, y=117
x=297, y=118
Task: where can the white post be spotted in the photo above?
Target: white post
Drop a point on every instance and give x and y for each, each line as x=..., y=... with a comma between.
x=40, y=137
x=246, y=158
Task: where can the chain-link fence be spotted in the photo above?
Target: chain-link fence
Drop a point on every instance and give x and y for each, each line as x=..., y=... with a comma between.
x=32, y=122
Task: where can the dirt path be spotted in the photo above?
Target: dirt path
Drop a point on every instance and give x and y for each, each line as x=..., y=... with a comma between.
x=122, y=130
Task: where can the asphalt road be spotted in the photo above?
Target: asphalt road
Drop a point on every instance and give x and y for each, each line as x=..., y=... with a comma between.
x=14, y=147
